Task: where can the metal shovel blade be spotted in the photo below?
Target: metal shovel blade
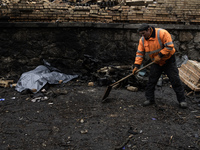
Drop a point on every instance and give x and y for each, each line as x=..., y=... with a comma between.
x=107, y=92
x=110, y=87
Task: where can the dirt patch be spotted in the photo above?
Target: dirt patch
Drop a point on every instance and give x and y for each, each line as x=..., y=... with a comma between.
x=73, y=117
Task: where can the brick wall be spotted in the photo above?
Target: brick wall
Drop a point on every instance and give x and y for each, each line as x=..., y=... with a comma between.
x=118, y=11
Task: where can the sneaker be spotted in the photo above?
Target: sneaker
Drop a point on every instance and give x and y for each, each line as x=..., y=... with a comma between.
x=183, y=104
x=148, y=102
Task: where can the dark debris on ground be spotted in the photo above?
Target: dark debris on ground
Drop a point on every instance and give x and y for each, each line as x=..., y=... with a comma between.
x=72, y=116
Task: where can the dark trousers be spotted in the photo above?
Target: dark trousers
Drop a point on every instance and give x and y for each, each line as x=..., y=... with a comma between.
x=171, y=70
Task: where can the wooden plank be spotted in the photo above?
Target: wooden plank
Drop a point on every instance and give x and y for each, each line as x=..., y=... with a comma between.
x=5, y=83
x=185, y=80
x=194, y=64
x=188, y=76
x=193, y=75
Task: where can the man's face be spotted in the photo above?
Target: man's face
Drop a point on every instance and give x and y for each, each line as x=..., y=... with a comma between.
x=145, y=33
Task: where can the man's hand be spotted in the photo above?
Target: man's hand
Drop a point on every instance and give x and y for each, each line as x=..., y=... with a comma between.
x=134, y=70
x=157, y=59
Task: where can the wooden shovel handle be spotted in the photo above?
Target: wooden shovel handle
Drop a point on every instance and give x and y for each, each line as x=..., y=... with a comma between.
x=132, y=74
x=144, y=67
x=121, y=79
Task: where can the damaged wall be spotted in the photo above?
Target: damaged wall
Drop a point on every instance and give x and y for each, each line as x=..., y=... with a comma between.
x=24, y=46
x=62, y=31
x=22, y=49
x=105, y=11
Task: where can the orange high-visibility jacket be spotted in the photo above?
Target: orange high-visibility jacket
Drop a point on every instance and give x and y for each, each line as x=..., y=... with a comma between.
x=162, y=43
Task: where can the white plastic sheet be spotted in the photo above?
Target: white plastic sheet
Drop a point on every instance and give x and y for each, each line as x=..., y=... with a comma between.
x=41, y=75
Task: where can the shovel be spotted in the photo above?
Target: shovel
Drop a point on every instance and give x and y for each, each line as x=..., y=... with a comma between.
x=110, y=86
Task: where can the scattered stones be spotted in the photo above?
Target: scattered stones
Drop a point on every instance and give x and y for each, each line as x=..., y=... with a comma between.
x=132, y=88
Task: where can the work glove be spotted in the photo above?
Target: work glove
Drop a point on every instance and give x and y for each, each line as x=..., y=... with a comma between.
x=157, y=59
x=134, y=70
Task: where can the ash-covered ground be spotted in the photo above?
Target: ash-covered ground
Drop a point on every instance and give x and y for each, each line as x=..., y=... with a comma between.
x=72, y=116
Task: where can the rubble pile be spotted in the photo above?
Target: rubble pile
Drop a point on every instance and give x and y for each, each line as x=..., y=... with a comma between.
x=110, y=74
x=108, y=11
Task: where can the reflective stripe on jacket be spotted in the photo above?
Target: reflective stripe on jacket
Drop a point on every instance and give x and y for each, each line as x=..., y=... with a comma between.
x=162, y=43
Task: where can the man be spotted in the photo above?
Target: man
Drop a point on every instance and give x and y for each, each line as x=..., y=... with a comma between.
x=157, y=43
